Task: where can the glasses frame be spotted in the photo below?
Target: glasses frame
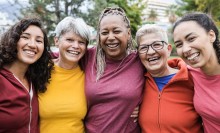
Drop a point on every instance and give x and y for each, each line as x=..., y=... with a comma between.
x=150, y=45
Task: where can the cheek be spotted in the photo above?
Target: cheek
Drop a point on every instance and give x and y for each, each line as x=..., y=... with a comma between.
x=41, y=48
x=142, y=57
x=102, y=38
x=179, y=51
x=83, y=48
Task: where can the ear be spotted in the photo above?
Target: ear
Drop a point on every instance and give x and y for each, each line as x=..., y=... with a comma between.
x=129, y=32
x=212, y=36
x=169, y=47
x=56, y=40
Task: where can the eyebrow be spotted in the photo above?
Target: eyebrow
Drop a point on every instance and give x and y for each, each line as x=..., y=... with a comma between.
x=184, y=37
x=30, y=34
x=188, y=35
x=149, y=44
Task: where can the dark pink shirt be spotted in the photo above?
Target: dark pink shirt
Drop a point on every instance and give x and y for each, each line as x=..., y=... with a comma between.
x=112, y=99
x=18, y=113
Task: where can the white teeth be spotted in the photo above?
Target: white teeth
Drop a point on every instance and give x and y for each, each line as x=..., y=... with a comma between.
x=74, y=52
x=30, y=52
x=193, y=56
x=153, y=58
x=112, y=45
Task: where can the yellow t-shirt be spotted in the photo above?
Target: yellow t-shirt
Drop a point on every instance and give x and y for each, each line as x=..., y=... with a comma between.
x=63, y=106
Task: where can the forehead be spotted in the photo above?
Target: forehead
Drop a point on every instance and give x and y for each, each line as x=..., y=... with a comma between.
x=150, y=38
x=34, y=30
x=187, y=27
x=112, y=20
x=71, y=34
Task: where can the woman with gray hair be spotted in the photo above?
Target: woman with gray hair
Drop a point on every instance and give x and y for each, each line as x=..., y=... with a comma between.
x=167, y=104
x=114, y=77
x=63, y=106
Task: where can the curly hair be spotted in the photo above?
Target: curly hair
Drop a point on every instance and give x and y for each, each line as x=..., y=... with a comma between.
x=206, y=23
x=39, y=72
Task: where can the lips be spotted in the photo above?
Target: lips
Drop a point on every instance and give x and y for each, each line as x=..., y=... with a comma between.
x=115, y=45
x=193, y=56
x=73, y=52
x=29, y=52
x=153, y=59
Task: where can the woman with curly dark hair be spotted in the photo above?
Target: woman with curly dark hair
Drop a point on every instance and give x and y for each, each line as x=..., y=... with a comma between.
x=25, y=66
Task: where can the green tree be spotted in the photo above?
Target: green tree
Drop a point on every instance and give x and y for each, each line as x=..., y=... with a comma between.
x=211, y=7
x=52, y=11
x=152, y=17
x=171, y=13
x=132, y=8
x=93, y=13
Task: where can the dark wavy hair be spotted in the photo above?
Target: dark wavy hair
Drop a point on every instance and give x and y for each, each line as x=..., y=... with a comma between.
x=39, y=72
x=206, y=23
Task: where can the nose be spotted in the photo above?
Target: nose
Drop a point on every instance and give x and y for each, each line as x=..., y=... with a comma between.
x=75, y=44
x=32, y=43
x=150, y=50
x=186, y=48
x=111, y=36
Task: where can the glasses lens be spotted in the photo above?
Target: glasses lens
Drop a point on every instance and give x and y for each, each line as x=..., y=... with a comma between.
x=143, y=49
x=157, y=45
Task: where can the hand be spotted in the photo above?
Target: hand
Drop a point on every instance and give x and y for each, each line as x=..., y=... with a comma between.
x=135, y=114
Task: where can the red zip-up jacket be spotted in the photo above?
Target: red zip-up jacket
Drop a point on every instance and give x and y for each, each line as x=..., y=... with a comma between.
x=171, y=110
x=18, y=112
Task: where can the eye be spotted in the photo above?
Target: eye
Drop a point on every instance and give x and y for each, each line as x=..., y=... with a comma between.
x=104, y=33
x=82, y=43
x=157, y=45
x=178, y=45
x=117, y=31
x=69, y=40
x=144, y=48
x=39, y=41
x=191, y=39
x=24, y=37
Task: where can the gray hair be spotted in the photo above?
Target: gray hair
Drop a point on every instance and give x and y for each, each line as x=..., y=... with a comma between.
x=100, y=54
x=149, y=29
x=75, y=25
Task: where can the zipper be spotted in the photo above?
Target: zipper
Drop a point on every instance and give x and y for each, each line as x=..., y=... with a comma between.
x=30, y=92
x=159, y=96
x=31, y=96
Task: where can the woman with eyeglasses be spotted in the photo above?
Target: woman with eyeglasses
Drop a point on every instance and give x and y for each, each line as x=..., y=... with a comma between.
x=167, y=104
x=114, y=77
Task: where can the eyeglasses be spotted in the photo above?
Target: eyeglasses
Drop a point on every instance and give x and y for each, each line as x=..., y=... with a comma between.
x=157, y=45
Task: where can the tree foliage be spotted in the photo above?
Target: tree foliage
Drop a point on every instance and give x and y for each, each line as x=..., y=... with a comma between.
x=211, y=7
x=132, y=8
x=52, y=11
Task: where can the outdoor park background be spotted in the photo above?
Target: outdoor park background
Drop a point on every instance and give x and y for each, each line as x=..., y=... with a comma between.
x=140, y=12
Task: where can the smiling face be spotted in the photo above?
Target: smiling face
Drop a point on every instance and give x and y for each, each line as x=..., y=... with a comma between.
x=155, y=61
x=193, y=44
x=114, y=36
x=71, y=48
x=30, y=45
